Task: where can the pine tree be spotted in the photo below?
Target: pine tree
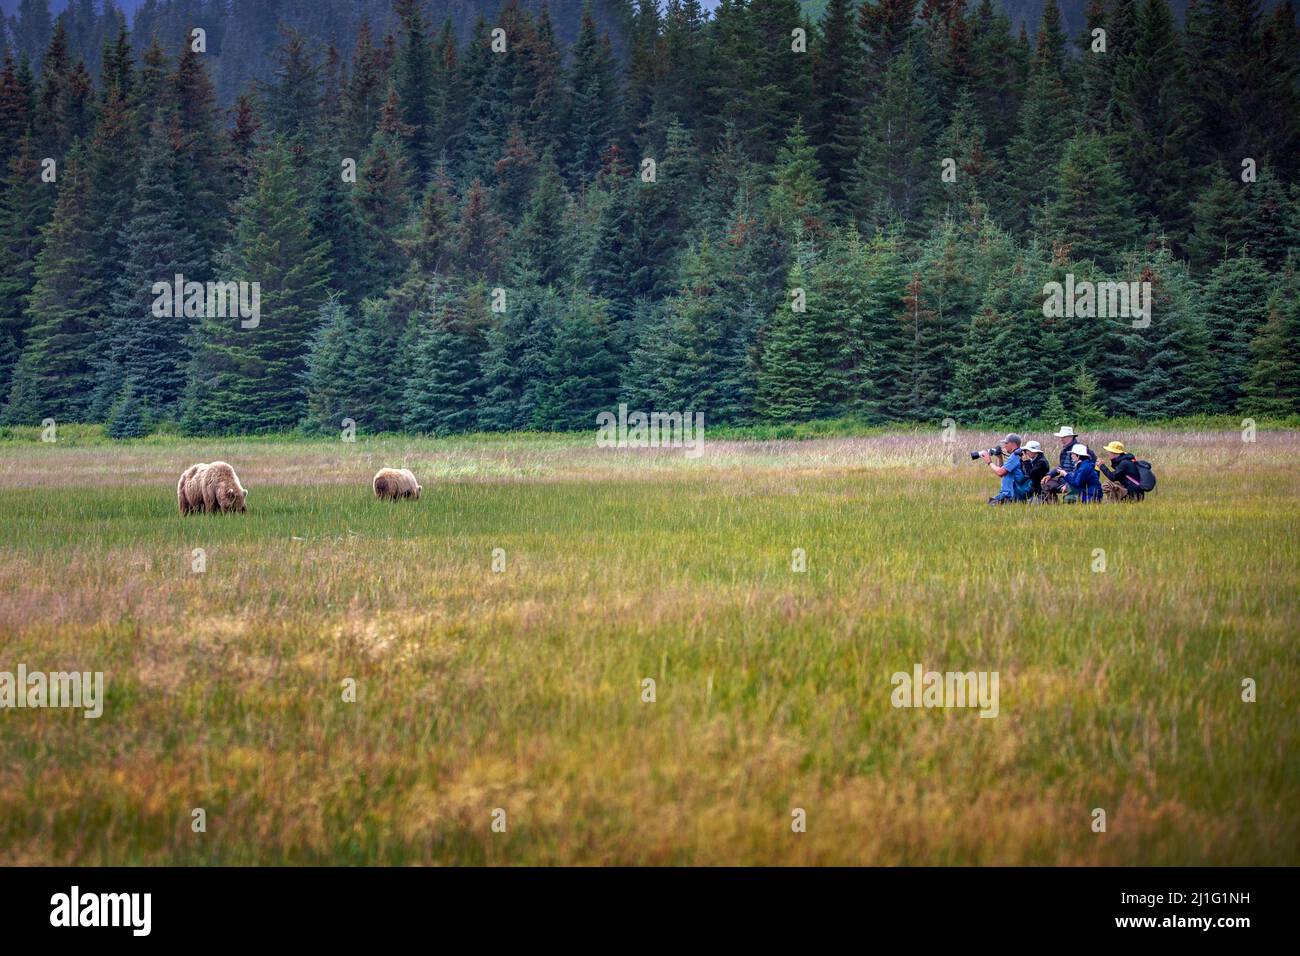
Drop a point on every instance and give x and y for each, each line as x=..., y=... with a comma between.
x=595, y=114
x=1045, y=123
x=1221, y=223
x=383, y=203
x=204, y=178
x=446, y=380
x=1086, y=409
x=363, y=97
x=793, y=370
x=477, y=245
x=996, y=86
x=579, y=374
x=517, y=347
x=1150, y=92
x=53, y=376
x=1272, y=218
x=989, y=385
x=1090, y=210
x=1236, y=307
x=797, y=197
x=335, y=219
x=413, y=79
x=542, y=241
x=1174, y=374
x=147, y=352
x=896, y=171
x=1097, y=59
x=1273, y=387
x=26, y=203
x=973, y=166
x=293, y=98
x=350, y=372
x=250, y=379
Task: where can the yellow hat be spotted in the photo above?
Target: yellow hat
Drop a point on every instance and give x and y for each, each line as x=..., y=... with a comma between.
x=1116, y=448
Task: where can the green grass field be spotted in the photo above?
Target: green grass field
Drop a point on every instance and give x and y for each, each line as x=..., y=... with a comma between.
x=521, y=689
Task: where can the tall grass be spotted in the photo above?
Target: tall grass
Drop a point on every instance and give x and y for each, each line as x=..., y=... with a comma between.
x=522, y=689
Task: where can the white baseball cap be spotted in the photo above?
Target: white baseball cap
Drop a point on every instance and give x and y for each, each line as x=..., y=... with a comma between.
x=1065, y=432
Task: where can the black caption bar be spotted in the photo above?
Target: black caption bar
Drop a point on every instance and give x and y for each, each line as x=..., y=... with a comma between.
x=231, y=905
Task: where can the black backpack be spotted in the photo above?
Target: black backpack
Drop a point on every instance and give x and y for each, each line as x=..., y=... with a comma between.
x=1146, y=476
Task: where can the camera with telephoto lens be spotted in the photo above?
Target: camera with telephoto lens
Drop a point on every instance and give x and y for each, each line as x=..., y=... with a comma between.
x=994, y=452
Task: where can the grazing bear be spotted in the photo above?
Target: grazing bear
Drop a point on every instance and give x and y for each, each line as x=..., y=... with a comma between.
x=210, y=487
x=394, y=483
x=187, y=504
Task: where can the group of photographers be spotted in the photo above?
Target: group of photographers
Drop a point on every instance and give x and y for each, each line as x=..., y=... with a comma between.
x=1027, y=475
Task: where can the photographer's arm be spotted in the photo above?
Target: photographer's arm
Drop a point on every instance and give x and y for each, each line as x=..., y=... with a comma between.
x=998, y=469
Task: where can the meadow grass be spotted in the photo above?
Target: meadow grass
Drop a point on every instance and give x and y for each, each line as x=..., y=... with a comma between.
x=522, y=689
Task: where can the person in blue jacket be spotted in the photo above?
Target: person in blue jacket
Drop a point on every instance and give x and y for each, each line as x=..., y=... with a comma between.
x=1084, y=478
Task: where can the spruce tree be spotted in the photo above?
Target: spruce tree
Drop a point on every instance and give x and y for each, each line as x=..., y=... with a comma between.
x=1236, y=306
x=147, y=352
x=350, y=372
x=1090, y=210
x=54, y=373
x=413, y=79
x=446, y=383
x=1150, y=93
x=250, y=379
x=897, y=171
x=1273, y=387
x=579, y=373
x=1221, y=223
x=26, y=202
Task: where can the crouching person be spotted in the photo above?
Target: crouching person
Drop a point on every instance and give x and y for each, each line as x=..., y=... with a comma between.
x=1035, y=466
x=1083, y=479
x=1015, y=483
x=1123, y=472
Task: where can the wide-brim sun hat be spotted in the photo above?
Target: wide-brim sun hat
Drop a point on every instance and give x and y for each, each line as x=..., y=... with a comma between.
x=1116, y=448
x=1065, y=432
x=1033, y=446
x=1080, y=450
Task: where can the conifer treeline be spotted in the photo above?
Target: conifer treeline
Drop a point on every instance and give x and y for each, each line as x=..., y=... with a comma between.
x=698, y=214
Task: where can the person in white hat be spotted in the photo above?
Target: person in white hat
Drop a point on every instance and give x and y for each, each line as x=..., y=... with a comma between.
x=1068, y=440
x=1034, y=463
x=1083, y=478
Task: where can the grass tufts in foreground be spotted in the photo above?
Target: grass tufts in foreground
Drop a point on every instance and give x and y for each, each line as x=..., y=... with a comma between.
x=522, y=689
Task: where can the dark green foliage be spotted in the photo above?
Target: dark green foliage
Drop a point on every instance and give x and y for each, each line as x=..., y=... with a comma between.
x=351, y=369
x=26, y=202
x=1273, y=387
x=446, y=381
x=149, y=338
x=1236, y=305
x=250, y=379
x=613, y=207
x=579, y=373
x=54, y=375
x=1090, y=213
x=898, y=169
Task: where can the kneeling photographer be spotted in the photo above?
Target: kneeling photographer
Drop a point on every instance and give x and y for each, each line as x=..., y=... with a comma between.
x=1007, y=465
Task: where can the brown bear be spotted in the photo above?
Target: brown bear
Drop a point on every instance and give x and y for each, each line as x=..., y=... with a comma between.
x=393, y=483
x=211, y=487
x=187, y=504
